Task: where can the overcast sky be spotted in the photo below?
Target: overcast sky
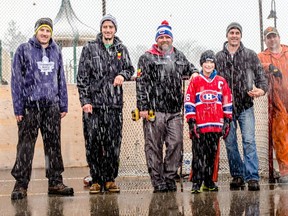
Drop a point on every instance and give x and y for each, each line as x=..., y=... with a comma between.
x=204, y=21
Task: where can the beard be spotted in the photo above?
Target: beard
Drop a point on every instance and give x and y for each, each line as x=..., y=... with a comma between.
x=107, y=39
x=274, y=46
x=44, y=43
x=165, y=47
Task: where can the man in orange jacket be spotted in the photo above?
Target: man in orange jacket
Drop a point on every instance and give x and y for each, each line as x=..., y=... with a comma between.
x=275, y=63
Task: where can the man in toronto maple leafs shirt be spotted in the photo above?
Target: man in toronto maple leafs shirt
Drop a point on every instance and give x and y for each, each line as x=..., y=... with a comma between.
x=39, y=94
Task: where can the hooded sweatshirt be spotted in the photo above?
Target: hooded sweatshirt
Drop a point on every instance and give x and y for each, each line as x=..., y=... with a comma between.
x=38, y=78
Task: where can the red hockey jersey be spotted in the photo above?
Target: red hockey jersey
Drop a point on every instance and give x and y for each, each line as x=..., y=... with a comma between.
x=208, y=100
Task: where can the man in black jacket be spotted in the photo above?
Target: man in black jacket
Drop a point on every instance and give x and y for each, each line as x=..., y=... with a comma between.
x=159, y=88
x=243, y=71
x=103, y=67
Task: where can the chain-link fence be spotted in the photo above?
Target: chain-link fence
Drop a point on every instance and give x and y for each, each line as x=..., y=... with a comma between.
x=197, y=25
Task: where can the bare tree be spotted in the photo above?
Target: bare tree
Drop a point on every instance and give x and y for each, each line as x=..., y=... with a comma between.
x=13, y=37
x=191, y=50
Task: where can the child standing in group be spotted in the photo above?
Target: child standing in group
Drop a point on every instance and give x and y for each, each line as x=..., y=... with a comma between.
x=208, y=110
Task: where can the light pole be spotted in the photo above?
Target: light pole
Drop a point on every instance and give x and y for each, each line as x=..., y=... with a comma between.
x=272, y=14
x=103, y=7
x=261, y=25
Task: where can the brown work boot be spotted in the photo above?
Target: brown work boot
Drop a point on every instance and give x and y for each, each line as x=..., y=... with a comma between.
x=60, y=189
x=112, y=187
x=95, y=188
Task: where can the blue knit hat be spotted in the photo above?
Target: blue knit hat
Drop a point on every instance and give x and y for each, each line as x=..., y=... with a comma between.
x=164, y=29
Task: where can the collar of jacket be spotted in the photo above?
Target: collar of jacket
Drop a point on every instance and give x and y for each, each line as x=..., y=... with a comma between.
x=212, y=75
x=241, y=47
x=34, y=42
x=156, y=51
x=283, y=46
x=116, y=41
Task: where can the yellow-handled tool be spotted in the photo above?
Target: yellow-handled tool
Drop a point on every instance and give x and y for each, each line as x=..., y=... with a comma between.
x=136, y=115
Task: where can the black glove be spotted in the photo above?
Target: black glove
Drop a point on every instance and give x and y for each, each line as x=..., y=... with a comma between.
x=226, y=127
x=275, y=71
x=193, y=130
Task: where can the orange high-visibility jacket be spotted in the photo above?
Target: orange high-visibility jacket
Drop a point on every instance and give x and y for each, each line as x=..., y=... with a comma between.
x=278, y=91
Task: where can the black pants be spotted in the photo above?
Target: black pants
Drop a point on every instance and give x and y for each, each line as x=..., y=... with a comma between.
x=48, y=120
x=103, y=136
x=204, y=152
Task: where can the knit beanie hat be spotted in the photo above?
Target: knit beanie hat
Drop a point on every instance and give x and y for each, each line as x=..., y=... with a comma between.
x=208, y=55
x=110, y=18
x=164, y=29
x=43, y=22
x=234, y=25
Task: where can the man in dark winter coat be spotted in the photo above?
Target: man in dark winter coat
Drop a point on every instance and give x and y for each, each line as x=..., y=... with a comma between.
x=103, y=67
x=40, y=100
x=159, y=88
x=243, y=71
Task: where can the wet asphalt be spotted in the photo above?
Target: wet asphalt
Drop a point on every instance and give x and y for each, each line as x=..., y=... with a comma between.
x=137, y=198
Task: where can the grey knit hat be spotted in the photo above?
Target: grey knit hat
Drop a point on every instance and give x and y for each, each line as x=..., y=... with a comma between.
x=234, y=25
x=110, y=18
x=43, y=22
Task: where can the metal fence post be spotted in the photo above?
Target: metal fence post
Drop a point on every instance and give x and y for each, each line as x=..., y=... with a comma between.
x=0, y=62
x=75, y=42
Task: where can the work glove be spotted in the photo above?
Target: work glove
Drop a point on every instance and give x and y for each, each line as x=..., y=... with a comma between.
x=226, y=127
x=275, y=71
x=193, y=130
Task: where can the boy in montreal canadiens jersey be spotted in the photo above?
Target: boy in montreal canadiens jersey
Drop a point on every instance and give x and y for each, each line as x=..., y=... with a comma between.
x=208, y=110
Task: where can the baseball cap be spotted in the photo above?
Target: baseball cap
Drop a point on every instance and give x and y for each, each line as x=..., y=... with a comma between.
x=270, y=30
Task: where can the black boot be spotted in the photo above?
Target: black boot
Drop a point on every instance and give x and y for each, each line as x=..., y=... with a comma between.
x=18, y=192
x=253, y=185
x=196, y=187
x=237, y=183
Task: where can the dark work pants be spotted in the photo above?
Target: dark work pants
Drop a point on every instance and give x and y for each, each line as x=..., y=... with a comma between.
x=166, y=129
x=48, y=120
x=204, y=152
x=103, y=136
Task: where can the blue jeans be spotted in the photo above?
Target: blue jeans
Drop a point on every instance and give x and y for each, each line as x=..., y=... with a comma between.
x=248, y=167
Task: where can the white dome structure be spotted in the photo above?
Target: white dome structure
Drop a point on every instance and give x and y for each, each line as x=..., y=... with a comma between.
x=69, y=31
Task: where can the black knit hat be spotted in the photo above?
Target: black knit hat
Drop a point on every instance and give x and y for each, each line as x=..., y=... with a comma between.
x=43, y=22
x=208, y=55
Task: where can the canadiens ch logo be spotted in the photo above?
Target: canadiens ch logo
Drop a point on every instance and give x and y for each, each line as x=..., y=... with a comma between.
x=208, y=96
